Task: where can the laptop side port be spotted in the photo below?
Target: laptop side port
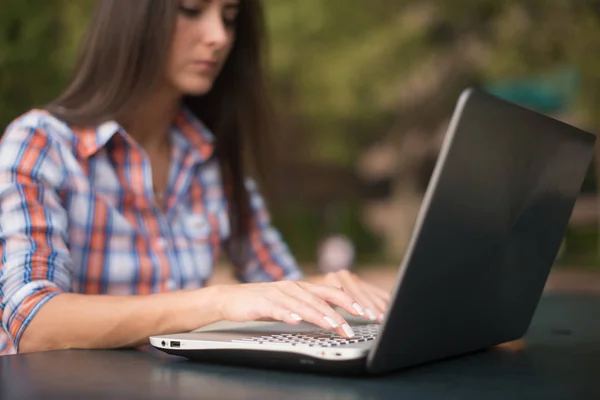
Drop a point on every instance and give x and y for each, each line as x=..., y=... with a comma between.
x=175, y=344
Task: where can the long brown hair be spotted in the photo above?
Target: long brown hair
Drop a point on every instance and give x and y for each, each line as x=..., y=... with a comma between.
x=121, y=60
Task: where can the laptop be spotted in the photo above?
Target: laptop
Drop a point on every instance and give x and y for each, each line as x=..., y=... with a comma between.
x=489, y=229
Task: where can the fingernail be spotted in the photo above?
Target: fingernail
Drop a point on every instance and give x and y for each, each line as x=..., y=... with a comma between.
x=358, y=308
x=296, y=317
x=381, y=317
x=347, y=330
x=370, y=314
x=330, y=322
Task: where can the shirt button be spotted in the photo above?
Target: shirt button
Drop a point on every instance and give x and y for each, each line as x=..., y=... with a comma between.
x=171, y=284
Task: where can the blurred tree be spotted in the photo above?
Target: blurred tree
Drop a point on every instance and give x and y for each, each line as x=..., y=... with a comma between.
x=37, y=44
x=389, y=71
x=363, y=64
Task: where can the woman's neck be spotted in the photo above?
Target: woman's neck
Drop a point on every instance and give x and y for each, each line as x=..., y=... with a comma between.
x=149, y=124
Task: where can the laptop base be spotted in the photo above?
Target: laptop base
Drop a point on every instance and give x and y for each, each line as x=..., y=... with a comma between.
x=273, y=360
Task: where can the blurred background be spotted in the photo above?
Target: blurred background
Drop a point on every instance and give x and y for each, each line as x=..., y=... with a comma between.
x=365, y=90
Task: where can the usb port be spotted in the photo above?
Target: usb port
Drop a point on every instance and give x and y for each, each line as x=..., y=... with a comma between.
x=175, y=344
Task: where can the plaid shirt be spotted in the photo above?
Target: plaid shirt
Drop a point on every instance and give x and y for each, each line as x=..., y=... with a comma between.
x=77, y=214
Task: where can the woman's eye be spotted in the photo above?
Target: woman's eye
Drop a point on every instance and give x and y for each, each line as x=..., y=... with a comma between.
x=229, y=21
x=230, y=17
x=189, y=12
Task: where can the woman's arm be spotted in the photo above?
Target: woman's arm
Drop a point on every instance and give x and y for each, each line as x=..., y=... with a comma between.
x=269, y=257
x=100, y=321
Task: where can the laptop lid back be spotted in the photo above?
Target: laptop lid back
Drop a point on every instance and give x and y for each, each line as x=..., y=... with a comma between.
x=489, y=229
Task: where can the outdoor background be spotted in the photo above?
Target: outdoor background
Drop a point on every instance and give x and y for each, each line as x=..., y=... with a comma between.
x=365, y=89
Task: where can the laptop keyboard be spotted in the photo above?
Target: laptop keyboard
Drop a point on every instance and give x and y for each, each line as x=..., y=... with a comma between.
x=318, y=338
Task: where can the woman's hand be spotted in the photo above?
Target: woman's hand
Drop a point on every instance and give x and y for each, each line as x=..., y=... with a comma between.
x=289, y=302
x=374, y=300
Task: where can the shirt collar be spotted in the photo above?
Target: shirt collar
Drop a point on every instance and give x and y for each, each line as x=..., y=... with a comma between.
x=92, y=139
x=195, y=133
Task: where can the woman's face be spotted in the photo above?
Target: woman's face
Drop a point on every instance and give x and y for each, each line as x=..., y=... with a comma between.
x=203, y=37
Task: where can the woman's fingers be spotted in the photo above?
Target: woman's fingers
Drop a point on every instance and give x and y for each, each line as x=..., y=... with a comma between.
x=378, y=297
x=380, y=293
x=310, y=310
x=293, y=302
x=353, y=287
x=280, y=313
x=335, y=296
x=374, y=300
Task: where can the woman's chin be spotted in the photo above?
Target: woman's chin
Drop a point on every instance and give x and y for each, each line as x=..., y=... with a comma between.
x=196, y=88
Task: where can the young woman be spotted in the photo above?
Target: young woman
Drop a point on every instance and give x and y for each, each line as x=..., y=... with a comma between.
x=116, y=198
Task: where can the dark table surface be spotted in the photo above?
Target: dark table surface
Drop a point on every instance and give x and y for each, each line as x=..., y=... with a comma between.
x=559, y=358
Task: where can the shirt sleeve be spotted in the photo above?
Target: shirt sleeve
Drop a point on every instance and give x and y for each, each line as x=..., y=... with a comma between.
x=33, y=228
x=269, y=258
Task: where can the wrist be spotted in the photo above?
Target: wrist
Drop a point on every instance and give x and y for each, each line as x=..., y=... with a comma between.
x=213, y=302
x=201, y=307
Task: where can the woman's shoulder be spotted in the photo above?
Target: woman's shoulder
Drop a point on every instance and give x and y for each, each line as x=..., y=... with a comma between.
x=41, y=123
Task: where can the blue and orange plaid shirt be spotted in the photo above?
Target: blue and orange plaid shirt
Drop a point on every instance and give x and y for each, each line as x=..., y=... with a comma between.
x=78, y=214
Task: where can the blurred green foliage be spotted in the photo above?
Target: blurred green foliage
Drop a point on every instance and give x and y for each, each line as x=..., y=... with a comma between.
x=580, y=248
x=347, y=62
x=38, y=40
